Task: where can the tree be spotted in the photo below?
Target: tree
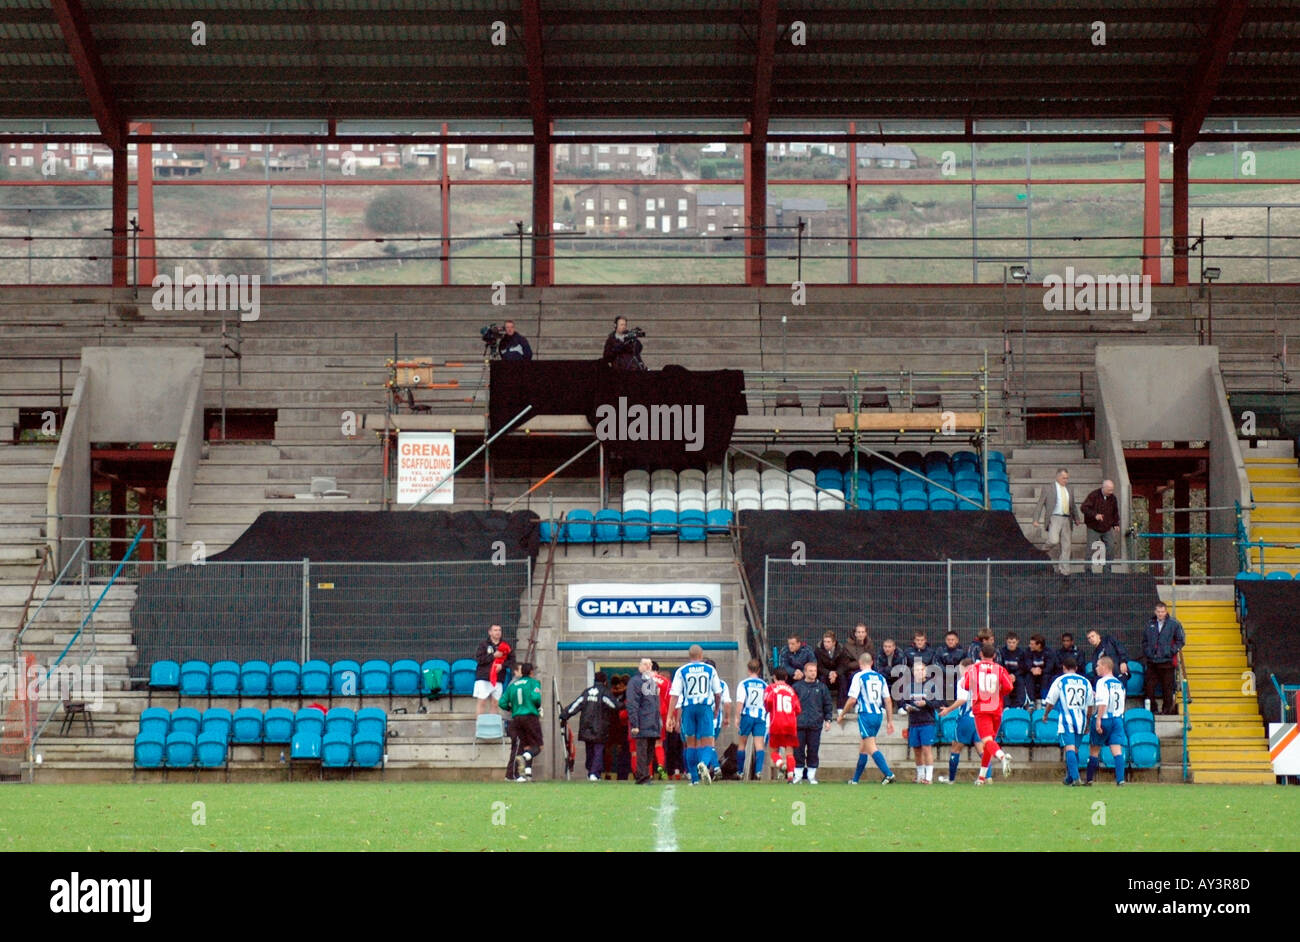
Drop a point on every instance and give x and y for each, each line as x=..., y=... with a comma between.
x=568, y=205
x=396, y=210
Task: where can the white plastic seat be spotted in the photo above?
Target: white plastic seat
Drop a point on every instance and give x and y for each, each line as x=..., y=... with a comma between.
x=743, y=463
x=662, y=480
x=775, y=481
x=830, y=499
x=804, y=500
x=663, y=499
x=636, y=500
x=692, y=479
x=748, y=499
x=776, y=458
x=806, y=475
x=690, y=500
x=776, y=500
x=746, y=479
x=713, y=499
x=713, y=478
x=636, y=480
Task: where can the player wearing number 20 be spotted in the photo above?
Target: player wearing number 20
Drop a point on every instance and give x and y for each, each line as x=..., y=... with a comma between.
x=693, y=702
x=1108, y=727
x=1074, y=695
x=988, y=682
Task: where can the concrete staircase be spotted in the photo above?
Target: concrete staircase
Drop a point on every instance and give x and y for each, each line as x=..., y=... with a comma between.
x=1275, y=486
x=1226, y=743
x=1031, y=468
x=24, y=479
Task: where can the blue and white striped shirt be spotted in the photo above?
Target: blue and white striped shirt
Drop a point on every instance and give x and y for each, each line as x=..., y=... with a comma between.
x=1073, y=695
x=870, y=690
x=749, y=693
x=696, y=683
x=1110, y=691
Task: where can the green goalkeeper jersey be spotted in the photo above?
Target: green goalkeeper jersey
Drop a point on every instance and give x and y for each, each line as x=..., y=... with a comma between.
x=523, y=697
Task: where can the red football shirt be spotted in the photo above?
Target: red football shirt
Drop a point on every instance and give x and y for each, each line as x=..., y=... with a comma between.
x=663, y=684
x=987, y=682
x=782, y=705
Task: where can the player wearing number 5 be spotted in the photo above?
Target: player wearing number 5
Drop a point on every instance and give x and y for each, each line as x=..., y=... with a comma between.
x=1108, y=726
x=988, y=682
x=693, y=702
x=869, y=696
x=1074, y=695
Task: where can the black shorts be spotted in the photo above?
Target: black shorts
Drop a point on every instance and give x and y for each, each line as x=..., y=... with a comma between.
x=528, y=731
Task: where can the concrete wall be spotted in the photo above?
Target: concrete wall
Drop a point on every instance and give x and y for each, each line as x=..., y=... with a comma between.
x=1176, y=393
x=180, y=480
x=148, y=388
x=68, y=491
x=1110, y=447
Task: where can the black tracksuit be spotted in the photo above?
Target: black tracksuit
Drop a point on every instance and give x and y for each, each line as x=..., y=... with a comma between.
x=1036, y=686
x=816, y=708
x=1016, y=664
x=948, y=660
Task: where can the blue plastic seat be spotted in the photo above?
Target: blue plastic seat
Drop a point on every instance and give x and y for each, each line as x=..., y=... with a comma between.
x=211, y=749
x=489, y=726
x=911, y=459
x=164, y=675
x=150, y=749
x=1136, y=679
x=336, y=749
x=246, y=728
x=194, y=678
x=579, y=526
x=719, y=520
x=340, y=720
x=186, y=720
x=663, y=521
x=216, y=720
x=636, y=526
x=277, y=725
x=1250, y=577
x=223, y=680
x=692, y=525
x=376, y=676
x=885, y=500
x=284, y=678
x=367, y=749
x=1278, y=575
x=345, y=678
x=308, y=719
x=1108, y=758
x=314, y=680
x=156, y=719
x=945, y=729
x=830, y=479
x=886, y=477
x=545, y=531
x=1015, y=727
x=462, y=676
x=371, y=719
x=306, y=745
x=181, y=750
x=255, y=679
x=907, y=484
x=436, y=671
x=1144, y=751
x=915, y=501
x=1042, y=732
x=1138, y=720
x=942, y=501
x=609, y=526
x=1000, y=503
x=404, y=680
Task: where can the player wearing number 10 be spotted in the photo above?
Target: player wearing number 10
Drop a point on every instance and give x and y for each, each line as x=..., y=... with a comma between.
x=693, y=702
x=988, y=682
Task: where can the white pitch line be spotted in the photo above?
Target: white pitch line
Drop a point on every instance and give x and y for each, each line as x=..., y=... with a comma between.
x=666, y=838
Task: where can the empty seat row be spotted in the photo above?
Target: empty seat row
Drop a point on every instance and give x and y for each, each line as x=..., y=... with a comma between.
x=315, y=678
x=633, y=526
x=1021, y=728
x=1276, y=575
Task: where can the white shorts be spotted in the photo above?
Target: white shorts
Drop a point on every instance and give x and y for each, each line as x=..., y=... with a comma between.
x=485, y=688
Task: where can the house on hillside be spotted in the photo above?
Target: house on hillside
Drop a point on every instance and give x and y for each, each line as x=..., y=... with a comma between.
x=887, y=156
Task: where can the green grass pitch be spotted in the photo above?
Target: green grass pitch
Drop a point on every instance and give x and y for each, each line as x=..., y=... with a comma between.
x=611, y=816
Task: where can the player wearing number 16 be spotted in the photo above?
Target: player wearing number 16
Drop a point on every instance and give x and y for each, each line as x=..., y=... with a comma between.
x=693, y=702
x=988, y=682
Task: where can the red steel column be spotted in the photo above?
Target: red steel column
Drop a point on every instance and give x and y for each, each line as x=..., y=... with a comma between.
x=543, y=210
x=755, y=211
x=1151, y=266
x=1180, y=215
x=144, y=204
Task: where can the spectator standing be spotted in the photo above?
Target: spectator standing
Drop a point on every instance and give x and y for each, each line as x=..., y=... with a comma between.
x=595, y=707
x=796, y=657
x=1101, y=514
x=492, y=660
x=1161, y=642
x=815, y=711
x=643, y=718
x=1057, y=511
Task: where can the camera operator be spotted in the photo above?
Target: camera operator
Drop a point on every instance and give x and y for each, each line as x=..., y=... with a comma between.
x=513, y=345
x=623, y=346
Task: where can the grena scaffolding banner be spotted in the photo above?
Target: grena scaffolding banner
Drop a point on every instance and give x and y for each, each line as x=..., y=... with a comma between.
x=640, y=606
x=423, y=459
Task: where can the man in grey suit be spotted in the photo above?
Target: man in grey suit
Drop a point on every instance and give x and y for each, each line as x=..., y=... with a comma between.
x=1059, y=509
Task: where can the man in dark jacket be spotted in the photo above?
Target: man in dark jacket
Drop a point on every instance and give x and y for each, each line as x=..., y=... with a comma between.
x=1012, y=657
x=596, y=708
x=623, y=350
x=833, y=666
x=919, y=651
x=1161, y=642
x=493, y=659
x=1107, y=647
x=1067, y=649
x=643, y=718
x=513, y=345
x=890, y=663
x=859, y=643
x=948, y=660
x=1101, y=514
x=815, y=713
x=796, y=657
x=1040, y=669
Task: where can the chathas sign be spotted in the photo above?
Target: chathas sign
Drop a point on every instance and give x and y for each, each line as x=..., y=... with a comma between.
x=629, y=606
